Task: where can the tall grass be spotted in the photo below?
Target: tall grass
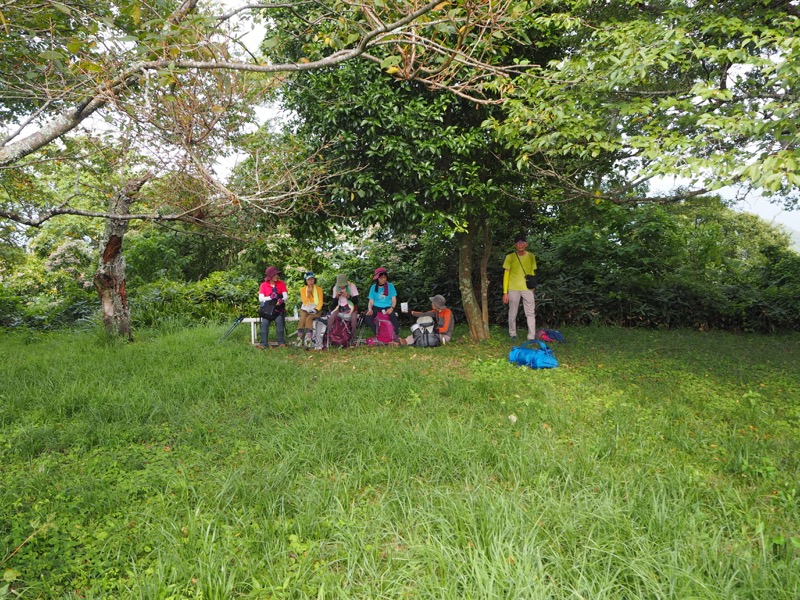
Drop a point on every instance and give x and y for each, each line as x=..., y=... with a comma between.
x=650, y=464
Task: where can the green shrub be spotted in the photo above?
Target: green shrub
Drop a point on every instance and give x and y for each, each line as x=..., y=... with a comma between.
x=218, y=297
x=11, y=308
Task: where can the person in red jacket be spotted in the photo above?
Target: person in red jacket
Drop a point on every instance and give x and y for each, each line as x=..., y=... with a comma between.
x=273, y=290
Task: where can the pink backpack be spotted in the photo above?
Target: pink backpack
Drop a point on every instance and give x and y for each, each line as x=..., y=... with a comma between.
x=385, y=331
x=340, y=331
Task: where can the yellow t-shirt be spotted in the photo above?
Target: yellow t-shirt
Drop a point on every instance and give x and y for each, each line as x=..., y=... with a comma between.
x=313, y=298
x=516, y=277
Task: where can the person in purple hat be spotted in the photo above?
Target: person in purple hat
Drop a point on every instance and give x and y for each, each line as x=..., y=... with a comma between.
x=274, y=291
x=382, y=298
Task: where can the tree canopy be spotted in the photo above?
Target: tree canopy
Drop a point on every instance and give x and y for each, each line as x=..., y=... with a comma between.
x=706, y=91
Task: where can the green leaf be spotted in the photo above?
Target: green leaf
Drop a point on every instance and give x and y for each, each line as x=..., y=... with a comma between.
x=10, y=575
x=391, y=61
x=62, y=7
x=271, y=42
x=51, y=55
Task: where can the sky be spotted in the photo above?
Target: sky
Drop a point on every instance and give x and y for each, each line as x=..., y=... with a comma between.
x=772, y=213
x=751, y=202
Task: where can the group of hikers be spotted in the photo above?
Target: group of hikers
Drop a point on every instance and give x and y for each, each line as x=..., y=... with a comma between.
x=316, y=328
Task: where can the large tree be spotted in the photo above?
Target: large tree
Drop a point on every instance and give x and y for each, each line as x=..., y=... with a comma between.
x=416, y=155
x=706, y=91
x=66, y=63
x=410, y=159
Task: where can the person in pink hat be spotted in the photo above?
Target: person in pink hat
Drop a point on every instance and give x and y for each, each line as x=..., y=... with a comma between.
x=273, y=290
x=382, y=298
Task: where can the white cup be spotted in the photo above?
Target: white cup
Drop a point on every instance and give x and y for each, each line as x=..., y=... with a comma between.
x=404, y=307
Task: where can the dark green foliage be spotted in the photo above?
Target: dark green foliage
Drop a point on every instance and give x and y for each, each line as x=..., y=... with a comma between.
x=180, y=253
x=219, y=296
x=693, y=265
x=420, y=266
x=11, y=308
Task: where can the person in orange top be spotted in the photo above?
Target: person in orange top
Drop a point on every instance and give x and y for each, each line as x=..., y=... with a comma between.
x=311, y=300
x=442, y=316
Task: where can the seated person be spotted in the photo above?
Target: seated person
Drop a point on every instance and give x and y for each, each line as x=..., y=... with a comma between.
x=311, y=300
x=273, y=290
x=442, y=317
x=382, y=298
x=345, y=297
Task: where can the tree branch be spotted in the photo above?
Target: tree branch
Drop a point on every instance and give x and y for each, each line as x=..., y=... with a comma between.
x=73, y=117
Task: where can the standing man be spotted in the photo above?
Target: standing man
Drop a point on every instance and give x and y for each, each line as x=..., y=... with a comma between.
x=516, y=265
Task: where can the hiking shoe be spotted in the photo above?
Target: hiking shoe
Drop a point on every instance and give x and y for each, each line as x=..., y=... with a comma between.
x=514, y=338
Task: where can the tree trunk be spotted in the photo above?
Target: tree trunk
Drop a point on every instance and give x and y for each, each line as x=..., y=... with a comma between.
x=109, y=279
x=487, y=249
x=475, y=311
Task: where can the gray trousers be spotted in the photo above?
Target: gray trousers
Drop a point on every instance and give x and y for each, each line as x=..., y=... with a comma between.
x=280, y=325
x=528, y=304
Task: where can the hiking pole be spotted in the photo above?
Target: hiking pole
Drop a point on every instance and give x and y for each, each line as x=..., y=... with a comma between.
x=235, y=324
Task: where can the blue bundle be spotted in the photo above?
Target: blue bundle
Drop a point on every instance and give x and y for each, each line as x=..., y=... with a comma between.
x=535, y=358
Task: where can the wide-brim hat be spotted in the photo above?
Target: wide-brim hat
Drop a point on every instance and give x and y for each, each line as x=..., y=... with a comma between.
x=341, y=280
x=272, y=271
x=438, y=301
x=378, y=272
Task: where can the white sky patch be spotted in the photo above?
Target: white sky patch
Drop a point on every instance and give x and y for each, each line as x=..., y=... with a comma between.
x=751, y=202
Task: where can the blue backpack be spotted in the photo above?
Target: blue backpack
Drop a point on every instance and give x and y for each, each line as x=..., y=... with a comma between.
x=535, y=358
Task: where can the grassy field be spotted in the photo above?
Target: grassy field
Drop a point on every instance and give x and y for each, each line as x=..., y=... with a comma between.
x=650, y=464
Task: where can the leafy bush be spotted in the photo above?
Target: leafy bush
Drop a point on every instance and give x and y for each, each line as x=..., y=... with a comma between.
x=653, y=267
x=218, y=297
x=11, y=308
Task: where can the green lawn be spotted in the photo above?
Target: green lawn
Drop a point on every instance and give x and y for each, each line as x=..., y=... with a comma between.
x=650, y=464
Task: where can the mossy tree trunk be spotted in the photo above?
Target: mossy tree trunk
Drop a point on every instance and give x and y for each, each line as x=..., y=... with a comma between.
x=476, y=311
x=109, y=279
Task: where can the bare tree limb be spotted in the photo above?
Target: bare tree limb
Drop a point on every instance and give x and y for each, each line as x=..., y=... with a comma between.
x=13, y=150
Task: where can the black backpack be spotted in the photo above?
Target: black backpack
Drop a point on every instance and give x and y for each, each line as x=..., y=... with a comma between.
x=424, y=333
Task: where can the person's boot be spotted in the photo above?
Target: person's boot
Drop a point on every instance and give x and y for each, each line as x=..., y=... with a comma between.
x=299, y=342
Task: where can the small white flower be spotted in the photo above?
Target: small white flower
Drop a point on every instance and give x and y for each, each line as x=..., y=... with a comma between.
x=513, y=418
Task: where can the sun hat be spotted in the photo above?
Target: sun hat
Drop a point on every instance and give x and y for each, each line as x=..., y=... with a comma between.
x=271, y=272
x=341, y=280
x=378, y=272
x=438, y=301
x=520, y=237
x=308, y=276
